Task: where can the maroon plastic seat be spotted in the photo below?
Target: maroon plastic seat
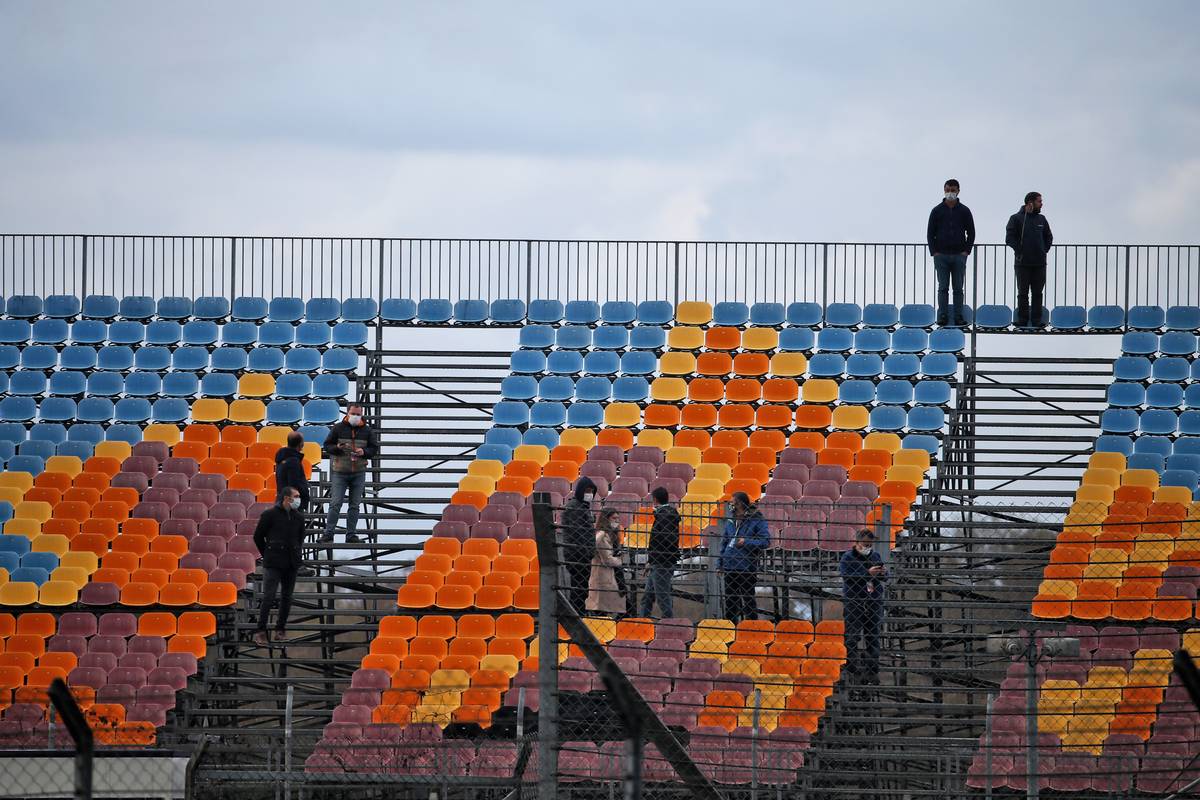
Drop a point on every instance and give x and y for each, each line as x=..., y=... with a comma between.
x=627, y=648
x=156, y=494
x=458, y=512
x=119, y=693
x=694, y=683
x=370, y=679
x=782, y=487
x=240, y=561
x=202, y=561
x=522, y=530
x=531, y=698
x=228, y=575
x=107, y=644
x=117, y=623
x=157, y=695
x=828, y=472
x=607, y=452
x=505, y=515
x=655, y=664
x=184, y=466
x=514, y=499
x=705, y=667
x=170, y=480
x=452, y=529
x=791, y=472
x=826, y=489
x=641, y=454
x=242, y=497
x=798, y=455
x=494, y=760
x=676, y=487
x=104, y=661
x=208, y=481
x=676, y=471
x=178, y=527
x=94, y=677
x=578, y=761
x=799, y=538
x=78, y=623
x=680, y=628
x=673, y=649
x=141, y=712
x=130, y=480
x=205, y=496
x=733, y=682
x=356, y=715
x=1159, y=638
x=836, y=538
x=127, y=676
x=196, y=512
x=159, y=451
x=497, y=531
x=860, y=489
x=235, y=512
x=362, y=697
x=143, y=464
x=242, y=543
x=159, y=512
x=642, y=470
x=554, y=485
x=1123, y=637
x=62, y=643
x=224, y=529
x=138, y=660
x=319, y=762
x=184, y=661
x=812, y=511
x=599, y=469
x=153, y=645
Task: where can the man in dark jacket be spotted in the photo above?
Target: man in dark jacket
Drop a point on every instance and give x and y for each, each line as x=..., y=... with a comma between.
x=350, y=445
x=579, y=541
x=279, y=536
x=743, y=540
x=950, y=236
x=662, y=554
x=864, y=584
x=1028, y=234
x=289, y=471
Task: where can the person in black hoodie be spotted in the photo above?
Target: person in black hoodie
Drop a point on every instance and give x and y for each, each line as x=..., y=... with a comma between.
x=1028, y=234
x=578, y=543
x=279, y=536
x=289, y=471
x=864, y=587
x=950, y=236
x=662, y=554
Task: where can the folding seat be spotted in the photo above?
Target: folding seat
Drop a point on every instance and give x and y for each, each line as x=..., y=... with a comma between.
x=1105, y=317
x=994, y=317
x=827, y=365
x=720, y=364
x=126, y=333
x=49, y=332
x=926, y=418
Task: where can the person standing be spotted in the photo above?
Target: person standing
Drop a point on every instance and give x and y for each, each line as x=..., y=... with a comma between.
x=662, y=554
x=950, y=236
x=744, y=539
x=606, y=593
x=289, y=471
x=579, y=541
x=279, y=537
x=1028, y=234
x=864, y=583
x=351, y=444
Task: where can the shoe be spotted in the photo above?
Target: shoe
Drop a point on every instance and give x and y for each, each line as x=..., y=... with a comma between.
x=960, y=322
x=281, y=637
x=326, y=538
x=1037, y=323
x=260, y=639
x=1021, y=323
x=306, y=572
x=941, y=320
x=352, y=539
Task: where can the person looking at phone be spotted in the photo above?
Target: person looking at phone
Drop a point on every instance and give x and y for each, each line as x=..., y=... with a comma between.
x=350, y=445
x=864, y=586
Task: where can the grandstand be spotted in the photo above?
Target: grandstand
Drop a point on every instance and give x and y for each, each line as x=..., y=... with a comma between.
x=1019, y=490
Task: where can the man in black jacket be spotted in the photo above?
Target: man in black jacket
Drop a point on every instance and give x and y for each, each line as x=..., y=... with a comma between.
x=1028, y=234
x=279, y=536
x=662, y=554
x=289, y=471
x=350, y=445
x=864, y=588
x=950, y=236
x=579, y=541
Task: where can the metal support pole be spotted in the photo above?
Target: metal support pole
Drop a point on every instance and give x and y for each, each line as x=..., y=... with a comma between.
x=76, y=724
x=1128, y=270
x=754, y=744
x=287, y=744
x=974, y=294
x=543, y=523
x=635, y=752
x=987, y=750
x=675, y=303
x=83, y=289
x=1031, y=721
x=824, y=278
x=379, y=301
x=712, y=581
x=232, y=270
x=528, y=274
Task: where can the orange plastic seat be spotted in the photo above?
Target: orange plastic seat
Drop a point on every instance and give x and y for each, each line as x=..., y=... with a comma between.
x=103, y=465
x=661, y=415
x=197, y=451
x=62, y=527
x=510, y=483
x=443, y=545
x=743, y=390
x=57, y=481
x=616, y=437
x=689, y=437
x=868, y=473
x=218, y=594
x=768, y=440
x=1134, y=493
x=234, y=451
x=219, y=466
x=736, y=415
x=773, y=416
x=567, y=470
x=131, y=543
x=714, y=364
x=147, y=528
x=807, y=440
x=1094, y=600
x=759, y=473
x=477, y=499
x=453, y=596
x=243, y=434
x=723, y=339
x=751, y=365
x=780, y=390
x=814, y=416
x=157, y=577
x=697, y=415
x=705, y=390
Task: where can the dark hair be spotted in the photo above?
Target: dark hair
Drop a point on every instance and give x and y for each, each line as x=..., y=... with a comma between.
x=660, y=495
x=1031, y=196
x=284, y=493
x=951, y=182
x=606, y=513
x=741, y=498
x=295, y=439
x=864, y=533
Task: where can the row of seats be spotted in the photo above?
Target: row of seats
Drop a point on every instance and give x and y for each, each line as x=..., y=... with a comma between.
x=1098, y=318
x=122, y=358
x=1152, y=421
x=1146, y=343
x=1165, y=369
x=72, y=383
x=138, y=410
x=197, y=333
x=142, y=308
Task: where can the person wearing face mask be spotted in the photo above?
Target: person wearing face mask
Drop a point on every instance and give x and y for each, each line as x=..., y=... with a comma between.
x=864, y=581
x=1028, y=234
x=743, y=540
x=350, y=445
x=289, y=471
x=950, y=236
x=578, y=543
x=662, y=554
x=606, y=595
x=279, y=537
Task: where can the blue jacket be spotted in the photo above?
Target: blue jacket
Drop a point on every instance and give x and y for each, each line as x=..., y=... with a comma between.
x=856, y=581
x=758, y=538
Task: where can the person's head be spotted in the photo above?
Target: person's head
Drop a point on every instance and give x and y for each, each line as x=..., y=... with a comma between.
x=609, y=520
x=1033, y=202
x=585, y=489
x=950, y=188
x=295, y=440
x=864, y=541
x=660, y=495
x=354, y=415
x=289, y=497
x=741, y=503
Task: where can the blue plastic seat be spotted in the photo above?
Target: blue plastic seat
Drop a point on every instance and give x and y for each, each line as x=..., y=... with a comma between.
x=278, y=309
x=331, y=385
x=1181, y=477
x=1109, y=443
x=894, y=392
x=124, y=432
x=170, y=409
x=324, y=309
x=89, y=331
x=769, y=315
x=494, y=452
x=284, y=412
x=349, y=334
x=189, y=359
x=807, y=315
x=12, y=431
x=994, y=317
x=239, y=334
x=39, y=560
x=81, y=450
x=322, y=411
x=40, y=448
x=293, y=385
x=61, y=306
x=143, y=384
x=1105, y=318
x=601, y=362
x=266, y=359
x=115, y=358
x=80, y=432
x=618, y=312
x=796, y=340
x=1139, y=343
x=514, y=387
x=249, y=309
x=27, y=382
x=176, y=308
x=510, y=413
x=1183, y=318
x=43, y=357
x=630, y=389
x=835, y=340
x=932, y=393
x=1152, y=461
x=856, y=392
x=507, y=311
x=105, y=384
x=1189, y=423
x=200, y=332
x=1147, y=318
x=398, y=309
x=471, y=312
x=545, y=311
x=917, y=315
x=593, y=389
x=545, y=437
x=359, y=309
x=1188, y=461
x=888, y=418
x=1131, y=368
x=34, y=575
x=910, y=340
x=730, y=314
x=826, y=365
x=1191, y=397
x=1159, y=445
x=1118, y=420
x=50, y=331
x=926, y=418
x=647, y=337
x=564, y=362
x=132, y=409
x=638, y=362
x=164, y=332
x=585, y=415
x=301, y=360
x=864, y=365
x=872, y=340
x=3, y=383
x=314, y=433
x=901, y=365
x=24, y=306
x=528, y=362
x=573, y=337
x=313, y=334
x=136, y=307
x=546, y=414
x=939, y=365
x=278, y=334
x=14, y=544
x=1187, y=444
x=610, y=337
x=1068, y=318
x=53, y=432
x=1164, y=395
x=843, y=315
x=95, y=409
x=556, y=387
x=229, y=359
x=582, y=312
x=655, y=312
x=947, y=340
x=505, y=436
x=339, y=359
x=101, y=306
x=10, y=356
x=15, y=331
x=211, y=308
x=536, y=337
x=126, y=332
x=880, y=315
x=67, y=383
x=219, y=384
x=1126, y=395
x=1177, y=343
x=1158, y=422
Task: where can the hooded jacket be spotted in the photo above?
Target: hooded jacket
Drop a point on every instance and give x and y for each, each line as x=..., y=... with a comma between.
x=579, y=522
x=279, y=536
x=857, y=583
x=289, y=471
x=951, y=229
x=1028, y=234
x=343, y=438
x=753, y=528
x=663, y=547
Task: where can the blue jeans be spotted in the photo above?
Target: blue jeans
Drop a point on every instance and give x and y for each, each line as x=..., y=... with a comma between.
x=355, y=481
x=950, y=269
x=658, y=587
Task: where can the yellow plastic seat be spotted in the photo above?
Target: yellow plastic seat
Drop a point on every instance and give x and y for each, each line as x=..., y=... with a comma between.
x=677, y=364
x=51, y=543
x=656, y=437
x=532, y=452
x=1137, y=477
x=477, y=483
x=29, y=528
x=913, y=458
x=210, y=409
x=58, y=593
x=86, y=560
x=1113, y=461
x=850, y=418
x=113, y=449
x=247, y=411
x=1173, y=494
x=578, y=437
x=719, y=472
x=21, y=481
x=274, y=434
x=788, y=365
x=683, y=455
x=486, y=468
x=742, y=666
x=69, y=465
x=693, y=312
x=759, y=339
x=907, y=474
x=256, y=384
x=668, y=390
x=33, y=509
x=622, y=415
x=1101, y=493
x=10, y=495
x=819, y=390
x=162, y=432
x=501, y=662
x=1101, y=476
x=685, y=338
x=18, y=593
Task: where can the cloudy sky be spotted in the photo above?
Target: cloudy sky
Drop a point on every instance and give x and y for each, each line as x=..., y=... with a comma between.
x=748, y=120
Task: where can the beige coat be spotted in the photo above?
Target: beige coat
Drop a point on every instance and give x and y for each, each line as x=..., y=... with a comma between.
x=603, y=596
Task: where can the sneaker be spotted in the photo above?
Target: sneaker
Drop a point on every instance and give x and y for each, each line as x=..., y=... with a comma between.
x=306, y=572
x=960, y=322
x=326, y=538
x=352, y=539
x=941, y=320
x=281, y=637
x=260, y=639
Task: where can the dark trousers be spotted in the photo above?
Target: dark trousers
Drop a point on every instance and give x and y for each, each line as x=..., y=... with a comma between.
x=275, y=580
x=739, y=596
x=658, y=587
x=1031, y=281
x=578, y=573
x=950, y=269
x=619, y=574
x=863, y=620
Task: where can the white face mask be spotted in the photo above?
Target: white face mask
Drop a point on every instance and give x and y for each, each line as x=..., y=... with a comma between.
x=587, y=498
x=294, y=503
x=354, y=419
x=865, y=549
x=951, y=195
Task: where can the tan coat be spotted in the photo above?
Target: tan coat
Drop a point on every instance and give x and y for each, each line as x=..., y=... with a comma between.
x=603, y=596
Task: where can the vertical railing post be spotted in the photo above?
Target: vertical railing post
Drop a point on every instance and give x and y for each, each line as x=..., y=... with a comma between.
x=287, y=744
x=379, y=302
x=232, y=269
x=824, y=278
x=974, y=294
x=83, y=281
x=548, y=582
x=1031, y=720
x=987, y=750
x=528, y=273
x=675, y=303
x=1128, y=276
x=68, y=710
